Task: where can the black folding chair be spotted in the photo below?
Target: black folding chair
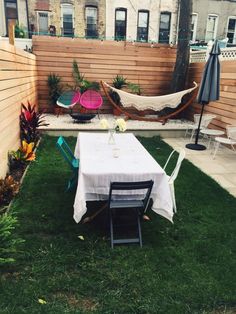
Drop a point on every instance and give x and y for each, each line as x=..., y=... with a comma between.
x=119, y=204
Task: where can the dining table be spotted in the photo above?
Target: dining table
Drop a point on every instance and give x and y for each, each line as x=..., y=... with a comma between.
x=101, y=163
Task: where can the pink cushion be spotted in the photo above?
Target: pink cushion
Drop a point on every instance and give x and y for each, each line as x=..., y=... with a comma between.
x=91, y=100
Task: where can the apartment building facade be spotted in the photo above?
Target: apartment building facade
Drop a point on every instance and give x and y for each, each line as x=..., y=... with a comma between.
x=213, y=19
x=142, y=20
x=133, y=20
x=72, y=18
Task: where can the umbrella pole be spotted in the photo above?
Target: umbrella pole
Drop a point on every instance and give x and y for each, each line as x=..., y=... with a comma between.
x=197, y=146
x=199, y=124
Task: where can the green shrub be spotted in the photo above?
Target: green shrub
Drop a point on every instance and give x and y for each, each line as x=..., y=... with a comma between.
x=9, y=241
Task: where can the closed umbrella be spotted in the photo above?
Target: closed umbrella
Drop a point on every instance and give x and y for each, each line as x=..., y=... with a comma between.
x=209, y=88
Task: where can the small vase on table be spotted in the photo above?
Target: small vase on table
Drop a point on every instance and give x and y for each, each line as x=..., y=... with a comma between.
x=111, y=136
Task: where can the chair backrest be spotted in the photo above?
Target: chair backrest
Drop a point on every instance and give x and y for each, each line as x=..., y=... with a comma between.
x=223, y=42
x=128, y=186
x=206, y=119
x=91, y=99
x=68, y=99
x=66, y=151
x=231, y=132
x=181, y=157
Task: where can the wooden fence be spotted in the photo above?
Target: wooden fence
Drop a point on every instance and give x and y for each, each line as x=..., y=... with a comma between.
x=151, y=67
x=225, y=108
x=18, y=84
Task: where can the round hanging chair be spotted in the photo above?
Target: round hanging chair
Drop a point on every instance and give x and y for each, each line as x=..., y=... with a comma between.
x=91, y=100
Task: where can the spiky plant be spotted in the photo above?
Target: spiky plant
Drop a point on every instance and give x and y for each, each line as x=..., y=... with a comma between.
x=54, y=88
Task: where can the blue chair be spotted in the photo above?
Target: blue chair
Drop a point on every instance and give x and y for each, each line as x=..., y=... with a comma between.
x=70, y=159
x=134, y=208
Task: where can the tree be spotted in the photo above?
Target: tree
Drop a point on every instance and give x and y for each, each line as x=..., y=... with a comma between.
x=183, y=51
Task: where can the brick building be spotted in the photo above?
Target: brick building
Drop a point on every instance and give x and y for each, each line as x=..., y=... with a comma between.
x=68, y=17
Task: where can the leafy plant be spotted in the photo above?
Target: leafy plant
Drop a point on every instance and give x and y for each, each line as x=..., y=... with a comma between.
x=19, y=31
x=119, y=81
x=134, y=88
x=24, y=153
x=80, y=82
x=55, y=88
x=30, y=120
x=8, y=189
x=9, y=241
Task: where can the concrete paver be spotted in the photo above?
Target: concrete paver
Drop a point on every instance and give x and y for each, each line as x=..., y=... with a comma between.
x=222, y=169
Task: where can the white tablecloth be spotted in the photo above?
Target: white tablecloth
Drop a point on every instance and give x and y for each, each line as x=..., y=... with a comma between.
x=99, y=165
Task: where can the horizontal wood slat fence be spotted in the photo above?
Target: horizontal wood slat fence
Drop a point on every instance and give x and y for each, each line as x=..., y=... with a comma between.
x=103, y=60
x=225, y=107
x=18, y=84
x=23, y=77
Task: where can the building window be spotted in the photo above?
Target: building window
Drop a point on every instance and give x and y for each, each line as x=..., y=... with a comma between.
x=120, y=24
x=231, y=30
x=143, y=21
x=67, y=19
x=11, y=12
x=43, y=23
x=194, y=27
x=211, y=29
x=91, y=21
x=164, y=31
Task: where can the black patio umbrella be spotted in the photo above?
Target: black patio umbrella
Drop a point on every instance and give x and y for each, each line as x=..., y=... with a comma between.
x=209, y=88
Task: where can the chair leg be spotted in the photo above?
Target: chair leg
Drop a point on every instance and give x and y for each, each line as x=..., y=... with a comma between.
x=111, y=229
x=232, y=146
x=187, y=131
x=192, y=134
x=139, y=229
x=172, y=191
x=217, y=145
x=59, y=111
x=72, y=183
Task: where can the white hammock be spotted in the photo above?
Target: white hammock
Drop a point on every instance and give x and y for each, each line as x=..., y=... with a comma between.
x=156, y=103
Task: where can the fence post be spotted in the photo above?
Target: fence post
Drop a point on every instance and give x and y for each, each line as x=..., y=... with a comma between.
x=11, y=32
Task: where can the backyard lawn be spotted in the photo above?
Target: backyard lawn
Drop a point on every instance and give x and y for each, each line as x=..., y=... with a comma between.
x=185, y=267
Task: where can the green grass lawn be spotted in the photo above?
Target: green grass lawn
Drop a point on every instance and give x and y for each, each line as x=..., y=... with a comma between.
x=187, y=267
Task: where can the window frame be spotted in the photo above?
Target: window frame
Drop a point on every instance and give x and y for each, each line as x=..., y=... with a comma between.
x=194, y=30
x=5, y=10
x=115, y=36
x=64, y=5
x=147, y=28
x=169, y=28
x=38, y=13
x=216, y=26
x=96, y=31
x=231, y=17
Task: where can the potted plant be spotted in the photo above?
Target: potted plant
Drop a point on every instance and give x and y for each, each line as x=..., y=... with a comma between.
x=54, y=88
x=118, y=82
x=19, y=31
